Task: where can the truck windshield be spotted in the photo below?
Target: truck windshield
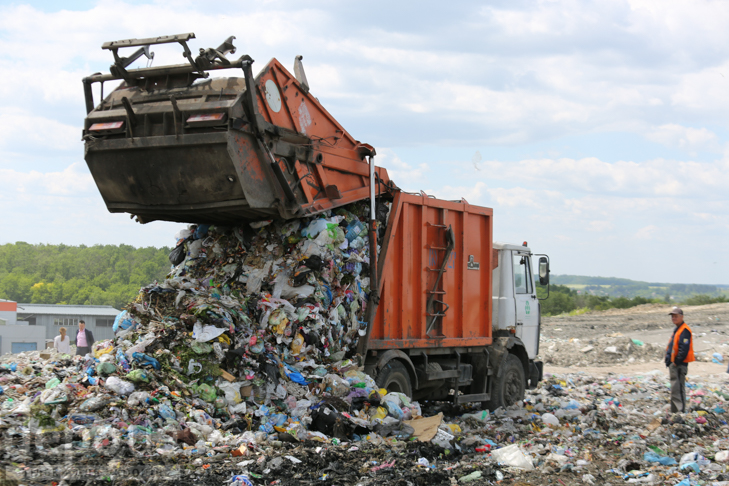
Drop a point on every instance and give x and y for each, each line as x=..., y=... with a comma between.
x=522, y=282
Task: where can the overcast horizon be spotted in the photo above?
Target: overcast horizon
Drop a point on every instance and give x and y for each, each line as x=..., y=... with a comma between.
x=596, y=130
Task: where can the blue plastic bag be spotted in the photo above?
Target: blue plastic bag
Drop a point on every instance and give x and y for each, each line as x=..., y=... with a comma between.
x=201, y=231
x=145, y=360
x=122, y=321
x=297, y=377
x=653, y=457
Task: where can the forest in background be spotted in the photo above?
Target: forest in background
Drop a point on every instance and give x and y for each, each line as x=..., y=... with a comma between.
x=86, y=275
x=576, y=294
x=113, y=274
x=623, y=287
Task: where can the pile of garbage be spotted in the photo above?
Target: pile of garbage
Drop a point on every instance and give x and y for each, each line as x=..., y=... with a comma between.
x=599, y=351
x=250, y=338
x=572, y=429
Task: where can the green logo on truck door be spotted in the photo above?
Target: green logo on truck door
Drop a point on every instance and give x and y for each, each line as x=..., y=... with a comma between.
x=526, y=307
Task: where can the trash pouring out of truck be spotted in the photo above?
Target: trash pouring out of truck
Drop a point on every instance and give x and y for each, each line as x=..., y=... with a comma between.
x=445, y=314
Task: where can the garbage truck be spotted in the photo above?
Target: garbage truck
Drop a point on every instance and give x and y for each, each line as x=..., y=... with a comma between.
x=452, y=315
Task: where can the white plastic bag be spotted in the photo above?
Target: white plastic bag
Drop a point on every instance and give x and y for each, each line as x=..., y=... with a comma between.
x=482, y=416
x=231, y=391
x=203, y=334
x=722, y=456
x=513, y=456
x=136, y=398
x=120, y=387
x=550, y=419
x=139, y=347
x=443, y=439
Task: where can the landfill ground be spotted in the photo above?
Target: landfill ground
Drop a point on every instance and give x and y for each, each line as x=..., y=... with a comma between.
x=589, y=422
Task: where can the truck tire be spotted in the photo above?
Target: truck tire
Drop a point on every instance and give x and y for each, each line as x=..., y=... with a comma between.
x=508, y=388
x=394, y=377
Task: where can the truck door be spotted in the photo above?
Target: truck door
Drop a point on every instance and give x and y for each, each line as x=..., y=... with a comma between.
x=527, y=305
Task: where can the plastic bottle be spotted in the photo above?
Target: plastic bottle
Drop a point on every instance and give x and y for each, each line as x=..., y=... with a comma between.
x=166, y=412
x=122, y=359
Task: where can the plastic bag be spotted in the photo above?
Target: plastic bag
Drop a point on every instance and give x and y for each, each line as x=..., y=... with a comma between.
x=52, y=383
x=339, y=386
x=513, y=456
x=653, y=457
x=93, y=404
x=137, y=398
x=137, y=376
x=206, y=392
x=550, y=419
x=101, y=348
x=722, y=456
x=139, y=347
x=203, y=334
x=105, y=368
x=393, y=409
x=122, y=359
x=23, y=408
x=123, y=321
x=146, y=360
x=177, y=255
x=482, y=416
x=694, y=457
x=120, y=387
x=194, y=367
x=53, y=396
x=166, y=412
x=231, y=392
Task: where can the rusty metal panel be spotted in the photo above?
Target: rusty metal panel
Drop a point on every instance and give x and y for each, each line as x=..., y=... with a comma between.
x=290, y=158
x=411, y=253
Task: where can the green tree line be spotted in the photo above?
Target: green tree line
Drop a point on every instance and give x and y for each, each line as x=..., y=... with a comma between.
x=563, y=299
x=87, y=275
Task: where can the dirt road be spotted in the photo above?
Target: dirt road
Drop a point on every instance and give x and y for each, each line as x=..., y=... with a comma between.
x=632, y=341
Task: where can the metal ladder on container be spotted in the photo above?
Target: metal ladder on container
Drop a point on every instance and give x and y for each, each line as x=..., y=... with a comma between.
x=436, y=307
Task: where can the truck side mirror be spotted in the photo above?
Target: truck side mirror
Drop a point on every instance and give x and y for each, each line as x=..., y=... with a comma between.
x=543, y=271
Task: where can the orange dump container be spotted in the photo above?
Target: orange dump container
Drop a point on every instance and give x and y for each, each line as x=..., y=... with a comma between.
x=418, y=309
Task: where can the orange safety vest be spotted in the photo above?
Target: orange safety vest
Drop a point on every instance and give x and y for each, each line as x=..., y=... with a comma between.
x=676, y=339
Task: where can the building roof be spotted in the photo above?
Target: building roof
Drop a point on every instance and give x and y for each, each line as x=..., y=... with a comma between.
x=68, y=310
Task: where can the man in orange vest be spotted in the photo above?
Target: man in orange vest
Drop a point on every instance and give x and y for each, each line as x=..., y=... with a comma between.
x=679, y=353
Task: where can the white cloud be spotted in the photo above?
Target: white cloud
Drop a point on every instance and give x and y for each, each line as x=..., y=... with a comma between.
x=600, y=226
x=591, y=175
x=647, y=232
x=74, y=180
x=410, y=178
x=529, y=77
x=35, y=131
x=673, y=135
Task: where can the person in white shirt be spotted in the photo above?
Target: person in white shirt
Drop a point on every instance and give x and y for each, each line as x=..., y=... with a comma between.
x=62, y=343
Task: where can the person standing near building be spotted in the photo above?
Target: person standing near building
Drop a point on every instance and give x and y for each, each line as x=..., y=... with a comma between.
x=84, y=340
x=62, y=343
x=679, y=353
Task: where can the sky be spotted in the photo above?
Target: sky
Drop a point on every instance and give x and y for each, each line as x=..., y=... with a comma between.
x=596, y=130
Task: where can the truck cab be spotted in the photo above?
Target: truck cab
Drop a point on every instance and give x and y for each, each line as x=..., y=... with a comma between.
x=516, y=312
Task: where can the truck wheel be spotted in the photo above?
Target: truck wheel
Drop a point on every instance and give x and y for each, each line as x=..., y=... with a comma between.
x=510, y=387
x=394, y=377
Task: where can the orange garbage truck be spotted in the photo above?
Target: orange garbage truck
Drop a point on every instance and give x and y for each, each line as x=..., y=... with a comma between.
x=452, y=315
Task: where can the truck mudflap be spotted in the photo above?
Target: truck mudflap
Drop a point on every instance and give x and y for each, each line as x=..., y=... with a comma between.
x=536, y=373
x=170, y=143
